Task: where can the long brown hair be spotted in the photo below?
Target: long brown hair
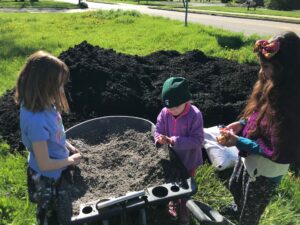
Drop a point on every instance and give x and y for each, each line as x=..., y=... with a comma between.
x=276, y=96
x=40, y=82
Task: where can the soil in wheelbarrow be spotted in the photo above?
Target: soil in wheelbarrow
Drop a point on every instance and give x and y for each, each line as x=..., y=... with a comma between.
x=120, y=164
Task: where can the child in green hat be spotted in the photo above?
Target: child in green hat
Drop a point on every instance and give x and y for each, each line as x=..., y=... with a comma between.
x=180, y=125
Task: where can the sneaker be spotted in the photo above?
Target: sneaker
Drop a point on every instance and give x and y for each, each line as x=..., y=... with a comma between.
x=173, y=209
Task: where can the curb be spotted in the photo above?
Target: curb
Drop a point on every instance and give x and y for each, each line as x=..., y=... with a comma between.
x=277, y=19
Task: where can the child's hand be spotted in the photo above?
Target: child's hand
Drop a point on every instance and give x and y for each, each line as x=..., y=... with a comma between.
x=73, y=150
x=227, y=138
x=75, y=159
x=169, y=140
x=221, y=139
x=236, y=127
x=162, y=139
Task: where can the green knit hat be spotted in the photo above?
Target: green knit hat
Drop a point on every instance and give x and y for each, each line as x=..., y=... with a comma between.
x=175, y=92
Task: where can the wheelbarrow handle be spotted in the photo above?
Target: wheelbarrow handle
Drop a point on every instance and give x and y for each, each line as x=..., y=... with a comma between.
x=196, y=211
x=206, y=215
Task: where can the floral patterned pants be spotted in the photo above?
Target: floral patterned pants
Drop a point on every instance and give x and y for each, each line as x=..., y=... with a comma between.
x=43, y=191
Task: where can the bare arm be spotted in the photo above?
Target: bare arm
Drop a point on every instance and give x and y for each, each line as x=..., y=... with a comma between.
x=72, y=148
x=45, y=163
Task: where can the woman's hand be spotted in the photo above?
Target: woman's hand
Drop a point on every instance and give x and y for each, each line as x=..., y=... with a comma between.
x=227, y=138
x=236, y=127
x=162, y=139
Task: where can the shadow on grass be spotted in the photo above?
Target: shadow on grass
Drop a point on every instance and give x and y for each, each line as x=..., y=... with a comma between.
x=11, y=50
x=231, y=42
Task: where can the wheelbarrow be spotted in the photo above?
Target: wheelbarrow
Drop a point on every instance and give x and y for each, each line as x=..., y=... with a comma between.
x=106, y=209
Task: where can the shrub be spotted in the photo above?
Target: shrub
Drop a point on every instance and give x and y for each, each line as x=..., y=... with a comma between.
x=83, y=5
x=283, y=4
x=225, y=1
x=258, y=2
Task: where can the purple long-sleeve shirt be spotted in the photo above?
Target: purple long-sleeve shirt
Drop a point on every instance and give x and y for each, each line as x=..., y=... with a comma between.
x=186, y=132
x=267, y=142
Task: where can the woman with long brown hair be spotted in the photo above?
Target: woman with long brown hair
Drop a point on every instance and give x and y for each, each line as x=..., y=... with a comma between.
x=267, y=135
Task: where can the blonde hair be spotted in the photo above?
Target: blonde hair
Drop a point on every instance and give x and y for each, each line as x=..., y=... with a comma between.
x=39, y=83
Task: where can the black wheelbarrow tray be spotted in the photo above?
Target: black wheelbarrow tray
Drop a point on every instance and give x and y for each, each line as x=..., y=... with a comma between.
x=105, y=209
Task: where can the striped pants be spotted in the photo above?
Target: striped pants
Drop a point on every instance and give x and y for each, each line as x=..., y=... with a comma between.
x=251, y=197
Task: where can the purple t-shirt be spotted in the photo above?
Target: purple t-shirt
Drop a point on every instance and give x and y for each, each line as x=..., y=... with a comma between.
x=44, y=126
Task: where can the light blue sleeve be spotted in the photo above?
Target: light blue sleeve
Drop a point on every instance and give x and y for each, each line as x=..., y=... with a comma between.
x=37, y=129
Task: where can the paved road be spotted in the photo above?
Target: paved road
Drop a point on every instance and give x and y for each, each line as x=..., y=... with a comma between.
x=247, y=26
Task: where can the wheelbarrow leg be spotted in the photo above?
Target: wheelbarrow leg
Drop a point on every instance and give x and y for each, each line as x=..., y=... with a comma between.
x=124, y=215
x=143, y=220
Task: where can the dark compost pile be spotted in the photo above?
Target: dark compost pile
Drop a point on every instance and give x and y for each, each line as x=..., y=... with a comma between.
x=120, y=163
x=104, y=82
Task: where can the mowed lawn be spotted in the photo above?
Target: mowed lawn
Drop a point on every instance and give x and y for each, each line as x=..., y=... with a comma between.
x=37, y=4
x=243, y=10
x=235, y=8
x=130, y=33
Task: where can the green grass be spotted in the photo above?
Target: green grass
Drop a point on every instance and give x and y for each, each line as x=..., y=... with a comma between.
x=284, y=208
x=142, y=2
x=258, y=11
x=150, y=2
x=126, y=32
x=14, y=205
x=229, y=9
x=211, y=189
x=39, y=4
x=131, y=33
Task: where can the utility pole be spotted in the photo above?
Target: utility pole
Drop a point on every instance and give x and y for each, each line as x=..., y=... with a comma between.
x=185, y=5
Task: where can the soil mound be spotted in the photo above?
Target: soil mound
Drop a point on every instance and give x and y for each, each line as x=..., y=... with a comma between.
x=104, y=82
